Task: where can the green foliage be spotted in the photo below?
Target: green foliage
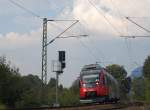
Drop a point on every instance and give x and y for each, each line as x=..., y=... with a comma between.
x=117, y=71
x=75, y=86
x=138, y=88
x=147, y=89
x=9, y=83
x=17, y=91
x=52, y=83
x=146, y=68
x=146, y=71
x=68, y=98
x=2, y=107
x=31, y=90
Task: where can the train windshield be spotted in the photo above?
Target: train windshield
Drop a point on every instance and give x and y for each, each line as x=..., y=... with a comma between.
x=90, y=78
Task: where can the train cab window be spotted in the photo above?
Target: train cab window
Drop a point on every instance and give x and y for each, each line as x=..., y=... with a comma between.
x=105, y=80
x=90, y=78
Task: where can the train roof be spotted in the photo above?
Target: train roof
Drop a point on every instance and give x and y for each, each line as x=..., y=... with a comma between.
x=92, y=68
x=96, y=68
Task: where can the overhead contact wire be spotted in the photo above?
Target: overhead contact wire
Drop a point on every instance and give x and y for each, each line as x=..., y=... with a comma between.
x=25, y=9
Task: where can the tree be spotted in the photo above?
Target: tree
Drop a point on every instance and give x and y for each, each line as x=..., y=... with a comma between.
x=31, y=90
x=17, y=91
x=117, y=71
x=52, y=83
x=10, y=91
x=146, y=68
x=138, y=88
x=146, y=72
x=75, y=86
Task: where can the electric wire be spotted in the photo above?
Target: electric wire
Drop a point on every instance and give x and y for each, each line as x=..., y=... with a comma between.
x=126, y=42
x=62, y=32
x=106, y=19
x=122, y=17
x=138, y=24
x=92, y=42
x=140, y=17
x=114, y=5
x=129, y=48
x=88, y=50
x=83, y=44
x=25, y=9
x=51, y=4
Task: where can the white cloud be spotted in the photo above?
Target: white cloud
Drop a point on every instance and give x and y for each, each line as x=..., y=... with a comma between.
x=105, y=40
x=13, y=39
x=114, y=11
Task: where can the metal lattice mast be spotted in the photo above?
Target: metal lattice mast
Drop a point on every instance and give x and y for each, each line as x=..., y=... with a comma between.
x=44, y=52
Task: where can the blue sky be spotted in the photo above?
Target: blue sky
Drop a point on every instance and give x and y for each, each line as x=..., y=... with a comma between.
x=21, y=34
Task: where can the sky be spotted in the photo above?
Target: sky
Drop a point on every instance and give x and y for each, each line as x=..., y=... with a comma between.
x=104, y=21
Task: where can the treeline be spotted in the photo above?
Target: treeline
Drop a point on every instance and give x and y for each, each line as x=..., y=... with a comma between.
x=18, y=91
x=141, y=85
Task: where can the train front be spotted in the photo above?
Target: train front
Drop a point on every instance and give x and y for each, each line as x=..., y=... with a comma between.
x=92, y=88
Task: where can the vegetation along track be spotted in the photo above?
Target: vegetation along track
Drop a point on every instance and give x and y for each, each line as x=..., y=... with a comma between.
x=118, y=106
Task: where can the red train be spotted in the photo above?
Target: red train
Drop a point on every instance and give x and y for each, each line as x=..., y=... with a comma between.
x=97, y=85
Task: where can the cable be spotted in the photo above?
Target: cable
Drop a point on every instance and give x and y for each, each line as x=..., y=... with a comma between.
x=62, y=32
x=25, y=9
x=89, y=50
x=105, y=18
x=92, y=42
x=122, y=17
x=144, y=17
x=137, y=24
x=114, y=5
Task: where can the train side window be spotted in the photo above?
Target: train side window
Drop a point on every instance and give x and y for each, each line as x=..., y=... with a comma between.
x=105, y=79
x=102, y=79
x=108, y=80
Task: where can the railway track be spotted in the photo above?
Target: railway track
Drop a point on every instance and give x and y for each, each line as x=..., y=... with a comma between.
x=118, y=106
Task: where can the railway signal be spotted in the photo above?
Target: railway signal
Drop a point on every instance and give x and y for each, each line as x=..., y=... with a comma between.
x=45, y=43
x=62, y=59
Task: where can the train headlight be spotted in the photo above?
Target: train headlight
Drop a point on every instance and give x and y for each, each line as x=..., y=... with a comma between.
x=84, y=85
x=97, y=83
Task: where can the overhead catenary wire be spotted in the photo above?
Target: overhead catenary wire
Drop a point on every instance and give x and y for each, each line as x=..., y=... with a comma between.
x=122, y=17
x=80, y=41
x=107, y=20
x=92, y=42
x=25, y=9
x=62, y=32
x=128, y=44
x=117, y=9
x=89, y=50
x=128, y=18
x=83, y=45
x=140, y=17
